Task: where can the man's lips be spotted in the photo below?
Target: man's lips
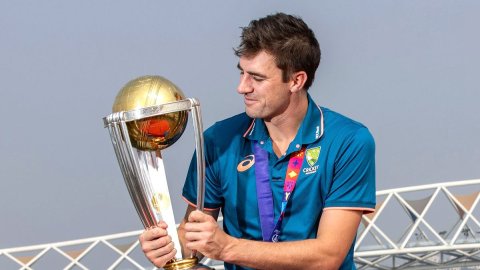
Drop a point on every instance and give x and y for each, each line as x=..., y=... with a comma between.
x=249, y=100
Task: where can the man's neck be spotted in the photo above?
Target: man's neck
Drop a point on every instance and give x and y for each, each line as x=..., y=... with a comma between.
x=283, y=128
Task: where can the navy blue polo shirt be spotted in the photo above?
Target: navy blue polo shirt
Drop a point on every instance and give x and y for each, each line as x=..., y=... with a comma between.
x=338, y=172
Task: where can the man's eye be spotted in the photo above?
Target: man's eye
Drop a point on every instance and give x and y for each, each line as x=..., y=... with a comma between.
x=258, y=79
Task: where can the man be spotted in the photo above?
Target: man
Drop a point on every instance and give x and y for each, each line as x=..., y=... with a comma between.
x=292, y=179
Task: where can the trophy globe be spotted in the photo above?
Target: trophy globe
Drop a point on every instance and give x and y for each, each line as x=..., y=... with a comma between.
x=157, y=132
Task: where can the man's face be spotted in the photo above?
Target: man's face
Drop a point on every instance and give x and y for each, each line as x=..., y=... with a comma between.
x=265, y=94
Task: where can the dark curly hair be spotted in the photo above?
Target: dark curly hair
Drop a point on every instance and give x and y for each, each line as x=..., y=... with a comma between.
x=288, y=38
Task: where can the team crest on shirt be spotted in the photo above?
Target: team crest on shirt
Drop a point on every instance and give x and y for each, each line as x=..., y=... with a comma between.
x=311, y=155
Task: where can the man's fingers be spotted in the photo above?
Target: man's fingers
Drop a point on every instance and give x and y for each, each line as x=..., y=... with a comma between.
x=161, y=251
x=153, y=233
x=157, y=244
x=195, y=235
x=162, y=224
x=198, y=216
x=159, y=257
x=194, y=216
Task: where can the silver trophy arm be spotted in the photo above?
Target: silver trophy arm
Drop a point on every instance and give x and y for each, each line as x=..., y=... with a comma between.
x=198, y=127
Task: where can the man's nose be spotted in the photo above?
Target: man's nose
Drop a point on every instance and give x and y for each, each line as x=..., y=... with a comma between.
x=244, y=86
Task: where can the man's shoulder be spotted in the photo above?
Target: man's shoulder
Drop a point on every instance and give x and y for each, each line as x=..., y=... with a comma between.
x=235, y=120
x=339, y=127
x=230, y=127
x=337, y=120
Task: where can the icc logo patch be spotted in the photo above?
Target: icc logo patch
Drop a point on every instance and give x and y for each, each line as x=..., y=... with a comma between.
x=312, y=155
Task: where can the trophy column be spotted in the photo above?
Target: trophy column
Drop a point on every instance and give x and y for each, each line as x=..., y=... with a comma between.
x=149, y=114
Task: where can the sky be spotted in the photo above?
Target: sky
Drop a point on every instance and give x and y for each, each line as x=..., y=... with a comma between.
x=408, y=70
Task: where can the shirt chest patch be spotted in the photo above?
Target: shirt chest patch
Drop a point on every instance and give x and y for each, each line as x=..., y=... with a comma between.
x=311, y=156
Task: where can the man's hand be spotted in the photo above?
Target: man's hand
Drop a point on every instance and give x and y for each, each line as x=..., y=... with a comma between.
x=203, y=234
x=157, y=244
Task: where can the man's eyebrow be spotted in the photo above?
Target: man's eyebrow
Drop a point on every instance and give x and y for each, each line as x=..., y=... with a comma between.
x=251, y=72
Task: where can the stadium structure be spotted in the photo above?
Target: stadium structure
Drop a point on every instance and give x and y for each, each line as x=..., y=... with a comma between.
x=421, y=227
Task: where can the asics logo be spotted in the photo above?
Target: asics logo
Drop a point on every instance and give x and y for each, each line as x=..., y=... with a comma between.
x=246, y=163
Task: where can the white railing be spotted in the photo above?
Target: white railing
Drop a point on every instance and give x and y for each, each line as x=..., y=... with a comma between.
x=119, y=251
x=423, y=227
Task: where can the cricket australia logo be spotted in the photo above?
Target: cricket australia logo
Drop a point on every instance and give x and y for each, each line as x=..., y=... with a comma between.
x=312, y=157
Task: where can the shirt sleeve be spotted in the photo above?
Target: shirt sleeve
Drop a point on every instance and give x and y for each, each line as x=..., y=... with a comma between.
x=353, y=185
x=213, y=198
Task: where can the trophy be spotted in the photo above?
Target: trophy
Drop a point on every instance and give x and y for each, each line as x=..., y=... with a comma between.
x=149, y=114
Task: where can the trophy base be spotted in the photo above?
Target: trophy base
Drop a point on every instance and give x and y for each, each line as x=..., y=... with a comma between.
x=183, y=264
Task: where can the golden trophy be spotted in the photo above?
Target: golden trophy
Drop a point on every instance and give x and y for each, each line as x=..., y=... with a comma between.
x=149, y=114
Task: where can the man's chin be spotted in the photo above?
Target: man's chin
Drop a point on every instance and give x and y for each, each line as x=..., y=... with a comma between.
x=251, y=113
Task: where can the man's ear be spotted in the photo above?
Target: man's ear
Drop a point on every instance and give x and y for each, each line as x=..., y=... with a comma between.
x=297, y=81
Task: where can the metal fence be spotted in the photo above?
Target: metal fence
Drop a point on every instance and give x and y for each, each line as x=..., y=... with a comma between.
x=423, y=227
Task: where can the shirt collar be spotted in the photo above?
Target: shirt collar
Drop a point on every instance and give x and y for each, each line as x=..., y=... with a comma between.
x=310, y=130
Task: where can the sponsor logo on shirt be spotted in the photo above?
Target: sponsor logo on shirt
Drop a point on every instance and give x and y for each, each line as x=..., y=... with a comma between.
x=312, y=155
x=246, y=163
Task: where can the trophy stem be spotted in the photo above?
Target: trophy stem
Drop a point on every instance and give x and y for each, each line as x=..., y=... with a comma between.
x=126, y=162
x=198, y=128
x=146, y=181
x=137, y=181
x=155, y=187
